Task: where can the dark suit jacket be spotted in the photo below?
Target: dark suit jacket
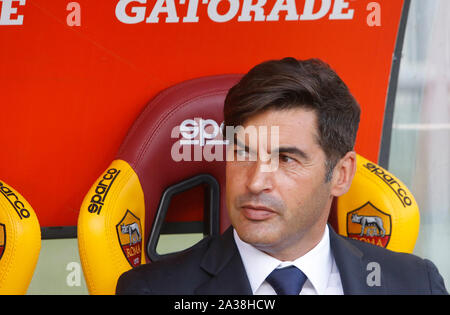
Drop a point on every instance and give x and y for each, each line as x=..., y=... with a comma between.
x=214, y=266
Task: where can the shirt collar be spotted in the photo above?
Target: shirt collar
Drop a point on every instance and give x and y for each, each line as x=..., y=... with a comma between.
x=315, y=264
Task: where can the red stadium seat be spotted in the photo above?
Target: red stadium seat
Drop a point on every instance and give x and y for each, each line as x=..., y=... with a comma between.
x=169, y=175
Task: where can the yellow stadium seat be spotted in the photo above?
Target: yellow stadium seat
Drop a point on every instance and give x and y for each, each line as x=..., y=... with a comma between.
x=20, y=241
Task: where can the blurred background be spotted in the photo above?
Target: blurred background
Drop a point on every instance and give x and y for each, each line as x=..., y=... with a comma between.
x=420, y=144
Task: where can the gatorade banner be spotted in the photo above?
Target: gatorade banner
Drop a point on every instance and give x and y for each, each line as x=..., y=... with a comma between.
x=76, y=74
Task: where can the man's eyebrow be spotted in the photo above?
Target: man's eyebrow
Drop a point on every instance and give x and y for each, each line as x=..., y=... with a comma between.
x=240, y=144
x=292, y=150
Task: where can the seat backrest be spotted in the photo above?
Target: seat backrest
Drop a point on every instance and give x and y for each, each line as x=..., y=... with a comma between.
x=20, y=241
x=123, y=211
x=174, y=147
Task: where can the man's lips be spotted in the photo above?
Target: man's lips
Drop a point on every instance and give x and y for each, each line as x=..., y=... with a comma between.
x=256, y=212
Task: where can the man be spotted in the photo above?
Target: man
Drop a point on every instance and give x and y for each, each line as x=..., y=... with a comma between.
x=279, y=242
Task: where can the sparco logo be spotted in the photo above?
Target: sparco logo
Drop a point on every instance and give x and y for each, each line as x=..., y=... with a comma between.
x=102, y=189
x=399, y=191
x=18, y=205
x=220, y=11
x=202, y=136
x=205, y=137
x=198, y=128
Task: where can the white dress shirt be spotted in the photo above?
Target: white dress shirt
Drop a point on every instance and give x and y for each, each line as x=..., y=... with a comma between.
x=318, y=265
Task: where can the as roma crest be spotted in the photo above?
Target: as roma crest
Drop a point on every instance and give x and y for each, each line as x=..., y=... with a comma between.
x=129, y=233
x=2, y=239
x=369, y=224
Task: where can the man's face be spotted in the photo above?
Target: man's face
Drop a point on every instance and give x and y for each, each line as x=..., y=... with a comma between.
x=279, y=210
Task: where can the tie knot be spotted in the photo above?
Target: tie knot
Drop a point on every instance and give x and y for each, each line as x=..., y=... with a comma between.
x=287, y=281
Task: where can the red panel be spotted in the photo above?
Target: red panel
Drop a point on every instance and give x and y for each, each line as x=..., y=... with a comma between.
x=187, y=206
x=69, y=94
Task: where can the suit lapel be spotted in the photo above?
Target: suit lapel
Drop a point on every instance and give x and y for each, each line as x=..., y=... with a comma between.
x=223, y=262
x=352, y=267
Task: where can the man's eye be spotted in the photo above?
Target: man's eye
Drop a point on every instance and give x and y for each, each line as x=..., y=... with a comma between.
x=286, y=159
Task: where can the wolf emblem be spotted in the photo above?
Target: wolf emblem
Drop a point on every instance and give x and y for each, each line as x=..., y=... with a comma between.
x=369, y=221
x=133, y=231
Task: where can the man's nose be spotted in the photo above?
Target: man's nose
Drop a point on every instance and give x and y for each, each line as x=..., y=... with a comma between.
x=259, y=180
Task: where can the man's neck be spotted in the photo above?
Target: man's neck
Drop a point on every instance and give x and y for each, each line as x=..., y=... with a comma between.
x=296, y=248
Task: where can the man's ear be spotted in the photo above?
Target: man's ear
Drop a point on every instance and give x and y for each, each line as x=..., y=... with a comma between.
x=343, y=174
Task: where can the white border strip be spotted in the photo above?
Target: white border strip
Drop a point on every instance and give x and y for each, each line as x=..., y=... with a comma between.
x=422, y=126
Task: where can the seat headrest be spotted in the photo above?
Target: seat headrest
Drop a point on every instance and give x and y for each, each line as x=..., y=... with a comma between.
x=378, y=209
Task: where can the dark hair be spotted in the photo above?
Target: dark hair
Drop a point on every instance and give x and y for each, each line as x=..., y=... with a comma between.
x=289, y=83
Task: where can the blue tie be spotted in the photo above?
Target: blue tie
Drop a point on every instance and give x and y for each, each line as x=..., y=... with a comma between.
x=287, y=281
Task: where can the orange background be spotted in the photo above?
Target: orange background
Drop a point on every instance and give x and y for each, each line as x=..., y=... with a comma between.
x=69, y=94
